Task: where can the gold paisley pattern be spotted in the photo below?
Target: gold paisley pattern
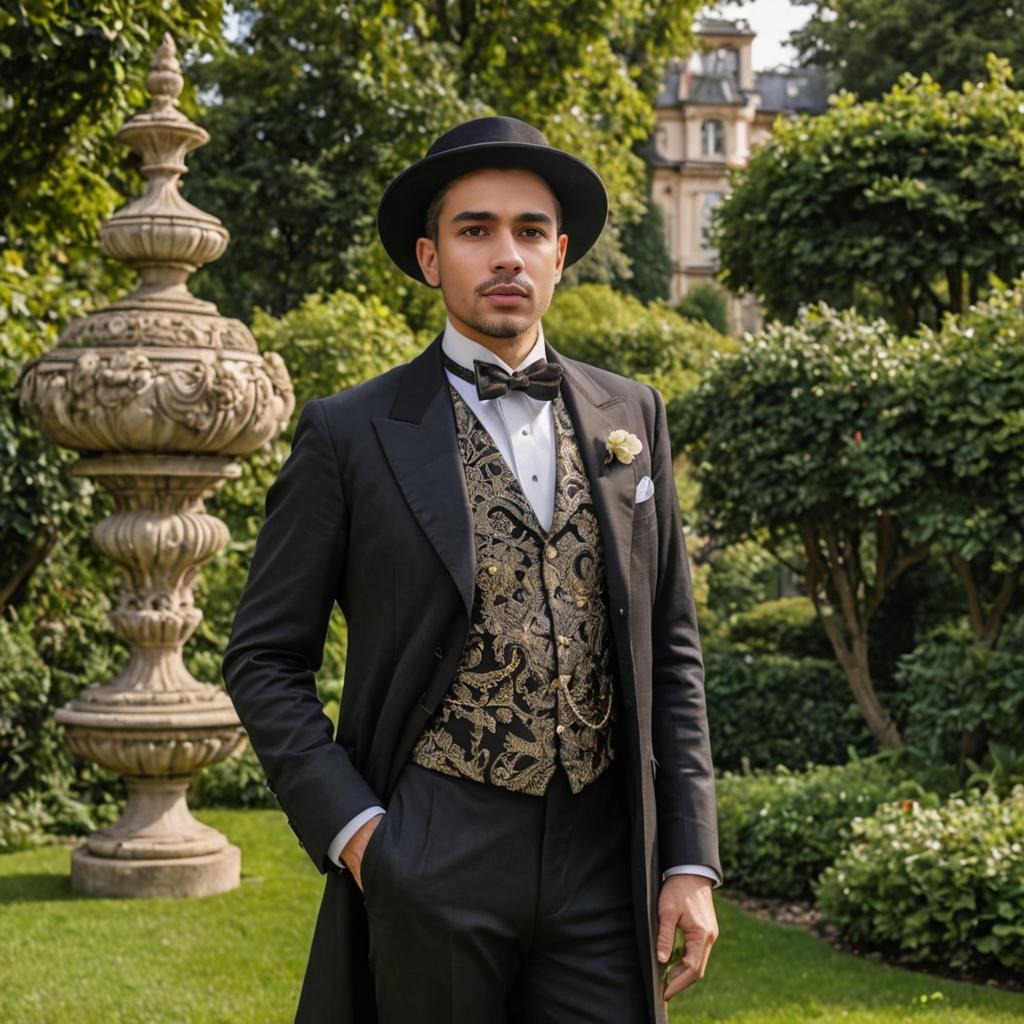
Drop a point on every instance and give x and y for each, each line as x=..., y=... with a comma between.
x=535, y=686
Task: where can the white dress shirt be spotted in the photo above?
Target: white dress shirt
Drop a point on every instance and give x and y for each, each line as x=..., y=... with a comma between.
x=523, y=430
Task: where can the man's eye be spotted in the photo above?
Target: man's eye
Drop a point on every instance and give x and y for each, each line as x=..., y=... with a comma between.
x=537, y=233
x=466, y=231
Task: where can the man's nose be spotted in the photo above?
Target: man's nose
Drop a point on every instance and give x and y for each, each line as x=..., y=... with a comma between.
x=505, y=254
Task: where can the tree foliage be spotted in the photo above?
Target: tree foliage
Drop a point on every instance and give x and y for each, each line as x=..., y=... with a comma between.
x=792, y=435
x=908, y=205
x=968, y=396
x=867, y=44
x=876, y=451
x=650, y=266
x=69, y=75
x=314, y=109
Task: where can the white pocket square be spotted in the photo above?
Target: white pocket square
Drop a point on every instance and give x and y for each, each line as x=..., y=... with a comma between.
x=644, y=490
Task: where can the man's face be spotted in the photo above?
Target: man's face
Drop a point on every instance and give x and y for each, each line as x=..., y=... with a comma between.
x=498, y=253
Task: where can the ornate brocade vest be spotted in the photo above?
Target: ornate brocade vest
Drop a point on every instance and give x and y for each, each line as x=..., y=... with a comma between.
x=535, y=687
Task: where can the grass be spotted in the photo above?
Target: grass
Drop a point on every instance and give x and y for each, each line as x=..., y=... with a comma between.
x=240, y=957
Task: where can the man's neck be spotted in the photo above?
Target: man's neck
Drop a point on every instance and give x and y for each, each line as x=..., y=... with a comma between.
x=465, y=348
x=511, y=351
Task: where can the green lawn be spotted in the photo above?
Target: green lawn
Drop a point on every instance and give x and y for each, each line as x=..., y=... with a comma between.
x=240, y=957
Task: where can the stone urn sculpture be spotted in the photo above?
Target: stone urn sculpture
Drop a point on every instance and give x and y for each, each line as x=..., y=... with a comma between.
x=159, y=394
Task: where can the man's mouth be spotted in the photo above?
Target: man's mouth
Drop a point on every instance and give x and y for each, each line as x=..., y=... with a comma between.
x=506, y=295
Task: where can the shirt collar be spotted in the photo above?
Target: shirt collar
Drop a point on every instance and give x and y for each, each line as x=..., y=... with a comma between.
x=464, y=350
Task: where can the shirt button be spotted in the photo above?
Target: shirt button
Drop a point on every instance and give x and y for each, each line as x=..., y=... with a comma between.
x=525, y=431
x=534, y=478
x=551, y=551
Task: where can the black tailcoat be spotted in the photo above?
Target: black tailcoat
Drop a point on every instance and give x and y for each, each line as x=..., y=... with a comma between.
x=370, y=510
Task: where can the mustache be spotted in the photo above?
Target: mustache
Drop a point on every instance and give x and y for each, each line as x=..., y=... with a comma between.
x=496, y=282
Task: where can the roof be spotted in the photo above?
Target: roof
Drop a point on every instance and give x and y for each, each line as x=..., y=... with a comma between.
x=724, y=27
x=788, y=90
x=714, y=89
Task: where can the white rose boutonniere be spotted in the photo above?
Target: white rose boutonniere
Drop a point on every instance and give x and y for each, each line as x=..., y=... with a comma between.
x=623, y=446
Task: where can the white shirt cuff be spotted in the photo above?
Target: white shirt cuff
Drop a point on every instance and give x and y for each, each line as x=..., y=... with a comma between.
x=694, y=869
x=340, y=841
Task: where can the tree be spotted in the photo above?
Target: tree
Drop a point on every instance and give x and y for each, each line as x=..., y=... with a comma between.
x=866, y=45
x=650, y=266
x=800, y=433
x=69, y=75
x=907, y=205
x=968, y=393
x=706, y=303
x=314, y=109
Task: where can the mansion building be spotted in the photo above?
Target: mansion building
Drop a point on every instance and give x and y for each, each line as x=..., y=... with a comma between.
x=712, y=109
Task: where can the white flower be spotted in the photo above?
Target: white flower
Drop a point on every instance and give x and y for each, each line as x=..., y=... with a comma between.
x=623, y=445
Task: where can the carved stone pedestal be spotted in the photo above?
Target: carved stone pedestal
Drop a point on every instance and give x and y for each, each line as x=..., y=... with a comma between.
x=159, y=393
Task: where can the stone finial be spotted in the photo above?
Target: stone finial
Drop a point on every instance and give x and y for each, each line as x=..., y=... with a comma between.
x=164, y=82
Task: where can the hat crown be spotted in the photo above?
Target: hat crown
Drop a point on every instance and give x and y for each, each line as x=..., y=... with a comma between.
x=484, y=130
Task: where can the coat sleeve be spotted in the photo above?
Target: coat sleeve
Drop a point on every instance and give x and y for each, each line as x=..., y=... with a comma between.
x=277, y=640
x=684, y=781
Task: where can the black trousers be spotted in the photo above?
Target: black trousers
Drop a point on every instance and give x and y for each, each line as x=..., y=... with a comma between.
x=492, y=907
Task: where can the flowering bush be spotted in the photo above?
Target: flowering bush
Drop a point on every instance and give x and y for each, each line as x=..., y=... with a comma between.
x=941, y=885
x=779, y=830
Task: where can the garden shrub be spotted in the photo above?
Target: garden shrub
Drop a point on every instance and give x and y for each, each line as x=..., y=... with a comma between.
x=779, y=830
x=705, y=303
x=951, y=684
x=620, y=333
x=788, y=624
x=240, y=781
x=935, y=885
x=769, y=709
x=740, y=576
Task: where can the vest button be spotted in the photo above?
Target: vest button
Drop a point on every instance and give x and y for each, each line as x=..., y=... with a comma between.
x=559, y=729
x=439, y=651
x=492, y=569
x=551, y=551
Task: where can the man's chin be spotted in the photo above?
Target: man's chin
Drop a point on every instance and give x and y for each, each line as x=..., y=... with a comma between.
x=502, y=327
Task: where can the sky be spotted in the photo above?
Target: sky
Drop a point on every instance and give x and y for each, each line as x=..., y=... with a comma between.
x=772, y=20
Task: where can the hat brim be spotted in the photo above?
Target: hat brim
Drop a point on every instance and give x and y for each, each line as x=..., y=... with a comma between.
x=401, y=216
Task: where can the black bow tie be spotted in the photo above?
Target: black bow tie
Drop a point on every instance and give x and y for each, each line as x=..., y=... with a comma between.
x=540, y=379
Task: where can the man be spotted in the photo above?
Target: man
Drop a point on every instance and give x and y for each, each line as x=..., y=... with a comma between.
x=518, y=811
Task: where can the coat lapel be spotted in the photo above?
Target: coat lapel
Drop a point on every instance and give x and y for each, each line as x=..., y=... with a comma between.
x=595, y=413
x=419, y=440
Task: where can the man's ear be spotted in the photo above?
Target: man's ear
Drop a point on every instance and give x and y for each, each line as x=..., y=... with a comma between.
x=563, y=242
x=426, y=256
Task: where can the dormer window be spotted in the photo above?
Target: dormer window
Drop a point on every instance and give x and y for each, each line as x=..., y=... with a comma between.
x=712, y=137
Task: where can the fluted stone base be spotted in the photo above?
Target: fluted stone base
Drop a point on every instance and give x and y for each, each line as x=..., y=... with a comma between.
x=151, y=879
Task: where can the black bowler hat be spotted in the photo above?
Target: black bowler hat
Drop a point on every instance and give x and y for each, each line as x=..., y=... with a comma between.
x=491, y=142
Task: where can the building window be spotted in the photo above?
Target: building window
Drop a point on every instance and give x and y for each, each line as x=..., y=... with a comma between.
x=661, y=141
x=708, y=203
x=723, y=61
x=712, y=138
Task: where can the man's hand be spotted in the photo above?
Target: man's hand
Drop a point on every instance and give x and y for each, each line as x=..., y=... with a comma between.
x=352, y=853
x=685, y=902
